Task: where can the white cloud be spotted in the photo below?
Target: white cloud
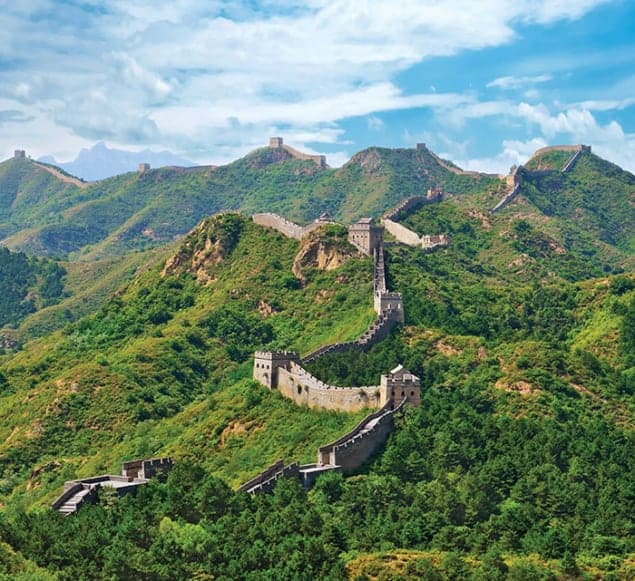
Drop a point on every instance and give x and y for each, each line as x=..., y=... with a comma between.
x=192, y=75
x=374, y=123
x=569, y=126
x=512, y=153
x=518, y=82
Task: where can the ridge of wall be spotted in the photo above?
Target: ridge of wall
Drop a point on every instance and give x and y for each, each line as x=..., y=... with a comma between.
x=354, y=448
x=515, y=178
x=412, y=203
x=401, y=233
x=379, y=271
x=286, y=227
x=347, y=454
x=266, y=480
x=378, y=330
x=298, y=385
x=319, y=160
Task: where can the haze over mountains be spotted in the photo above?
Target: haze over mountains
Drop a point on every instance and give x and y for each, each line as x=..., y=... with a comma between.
x=101, y=161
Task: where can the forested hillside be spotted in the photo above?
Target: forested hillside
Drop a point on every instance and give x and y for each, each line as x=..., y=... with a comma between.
x=26, y=284
x=518, y=463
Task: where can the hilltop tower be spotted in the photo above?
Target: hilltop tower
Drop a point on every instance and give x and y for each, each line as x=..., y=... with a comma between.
x=144, y=167
x=366, y=235
x=267, y=363
x=19, y=154
x=276, y=142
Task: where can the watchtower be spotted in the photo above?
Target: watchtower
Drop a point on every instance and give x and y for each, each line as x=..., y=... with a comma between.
x=144, y=167
x=267, y=363
x=421, y=147
x=366, y=235
x=19, y=154
x=275, y=142
x=398, y=385
x=387, y=301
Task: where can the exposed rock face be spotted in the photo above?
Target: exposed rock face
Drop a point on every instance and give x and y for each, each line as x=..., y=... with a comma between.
x=206, y=246
x=323, y=253
x=369, y=160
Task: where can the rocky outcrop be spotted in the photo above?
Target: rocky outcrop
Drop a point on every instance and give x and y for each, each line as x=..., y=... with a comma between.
x=322, y=253
x=206, y=246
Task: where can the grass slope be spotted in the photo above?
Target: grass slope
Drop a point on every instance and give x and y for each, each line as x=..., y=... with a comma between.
x=518, y=463
x=163, y=365
x=136, y=211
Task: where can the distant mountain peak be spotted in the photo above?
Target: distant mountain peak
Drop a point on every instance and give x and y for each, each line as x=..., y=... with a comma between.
x=100, y=161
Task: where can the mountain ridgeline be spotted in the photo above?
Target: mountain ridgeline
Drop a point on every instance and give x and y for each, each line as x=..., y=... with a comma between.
x=42, y=214
x=517, y=464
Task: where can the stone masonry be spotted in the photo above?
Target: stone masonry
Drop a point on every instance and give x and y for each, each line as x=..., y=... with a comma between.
x=516, y=176
x=278, y=143
x=133, y=474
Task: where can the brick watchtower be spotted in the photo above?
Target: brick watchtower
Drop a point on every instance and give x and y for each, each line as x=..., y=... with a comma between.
x=366, y=235
x=267, y=363
x=398, y=385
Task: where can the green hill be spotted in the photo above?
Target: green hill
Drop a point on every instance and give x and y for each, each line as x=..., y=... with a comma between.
x=26, y=284
x=518, y=462
x=141, y=210
x=596, y=197
x=42, y=214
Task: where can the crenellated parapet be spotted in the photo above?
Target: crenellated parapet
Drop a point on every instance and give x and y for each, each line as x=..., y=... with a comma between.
x=278, y=143
x=287, y=227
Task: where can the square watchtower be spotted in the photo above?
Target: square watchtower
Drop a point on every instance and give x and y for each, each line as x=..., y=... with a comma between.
x=366, y=235
x=267, y=363
x=275, y=142
x=398, y=385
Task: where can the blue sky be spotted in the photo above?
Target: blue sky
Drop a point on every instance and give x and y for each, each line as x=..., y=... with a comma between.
x=482, y=83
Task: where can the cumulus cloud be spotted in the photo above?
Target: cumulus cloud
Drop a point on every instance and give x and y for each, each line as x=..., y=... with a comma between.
x=192, y=75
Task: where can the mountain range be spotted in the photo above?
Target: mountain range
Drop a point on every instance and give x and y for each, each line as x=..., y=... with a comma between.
x=100, y=161
x=518, y=464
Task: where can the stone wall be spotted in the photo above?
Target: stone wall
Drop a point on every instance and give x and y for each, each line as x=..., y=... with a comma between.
x=412, y=203
x=401, y=233
x=266, y=480
x=379, y=329
x=571, y=162
x=515, y=178
x=515, y=181
x=278, y=142
x=280, y=224
x=429, y=242
x=353, y=449
x=379, y=274
x=303, y=388
x=286, y=227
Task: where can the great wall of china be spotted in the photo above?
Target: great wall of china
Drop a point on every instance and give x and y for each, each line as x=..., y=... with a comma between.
x=518, y=174
x=284, y=371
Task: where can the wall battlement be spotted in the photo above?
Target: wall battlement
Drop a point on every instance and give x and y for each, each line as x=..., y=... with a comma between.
x=278, y=142
x=133, y=474
x=288, y=228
